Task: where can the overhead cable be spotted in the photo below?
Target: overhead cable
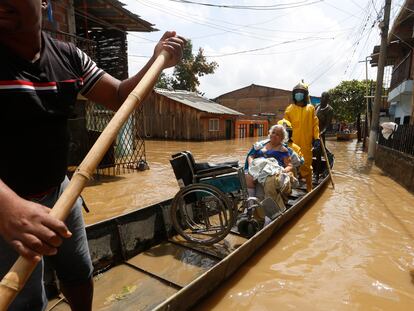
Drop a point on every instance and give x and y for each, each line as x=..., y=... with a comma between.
x=273, y=7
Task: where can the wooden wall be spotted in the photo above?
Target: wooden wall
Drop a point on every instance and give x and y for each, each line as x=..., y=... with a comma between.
x=165, y=118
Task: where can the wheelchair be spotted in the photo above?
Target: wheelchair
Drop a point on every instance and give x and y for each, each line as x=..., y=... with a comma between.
x=212, y=200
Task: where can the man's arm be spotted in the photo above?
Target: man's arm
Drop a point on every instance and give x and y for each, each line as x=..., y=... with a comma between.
x=315, y=126
x=111, y=92
x=28, y=227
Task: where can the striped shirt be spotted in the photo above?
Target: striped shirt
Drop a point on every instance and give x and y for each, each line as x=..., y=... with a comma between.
x=36, y=99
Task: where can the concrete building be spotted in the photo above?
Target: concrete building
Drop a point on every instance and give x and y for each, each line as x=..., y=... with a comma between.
x=395, y=155
x=400, y=57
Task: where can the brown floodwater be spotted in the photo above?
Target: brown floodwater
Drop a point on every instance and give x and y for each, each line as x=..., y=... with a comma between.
x=109, y=196
x=351, y=249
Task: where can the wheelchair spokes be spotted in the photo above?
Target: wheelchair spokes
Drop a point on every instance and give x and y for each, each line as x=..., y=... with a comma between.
x=202, y=213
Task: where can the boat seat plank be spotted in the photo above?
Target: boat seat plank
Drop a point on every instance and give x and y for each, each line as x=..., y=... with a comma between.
x=174, y=263
x=219, y=250
x=58, y=304
x=135, y=290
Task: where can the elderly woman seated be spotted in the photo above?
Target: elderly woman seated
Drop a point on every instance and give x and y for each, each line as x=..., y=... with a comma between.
x=270, y=165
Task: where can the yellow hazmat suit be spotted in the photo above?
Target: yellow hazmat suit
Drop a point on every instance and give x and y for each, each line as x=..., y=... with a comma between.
x=305, y=129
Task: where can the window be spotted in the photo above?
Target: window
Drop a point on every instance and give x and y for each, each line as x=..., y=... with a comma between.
x=260, y=130
x=242, y=130
x=213, y=125
x=406, y=120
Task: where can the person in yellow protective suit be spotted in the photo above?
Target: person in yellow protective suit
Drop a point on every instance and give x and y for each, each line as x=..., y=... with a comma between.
x=294, y=150
x=305, y=124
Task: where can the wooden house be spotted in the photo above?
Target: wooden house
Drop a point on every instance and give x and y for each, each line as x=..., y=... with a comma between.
x=183, y=115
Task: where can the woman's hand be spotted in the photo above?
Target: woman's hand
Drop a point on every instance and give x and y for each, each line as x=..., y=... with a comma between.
x=288, y=165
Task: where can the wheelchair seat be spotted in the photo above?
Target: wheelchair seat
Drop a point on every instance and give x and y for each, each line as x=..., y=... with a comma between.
x=187, y=171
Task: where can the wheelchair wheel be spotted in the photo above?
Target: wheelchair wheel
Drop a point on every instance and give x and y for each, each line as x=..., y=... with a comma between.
x=202, y=214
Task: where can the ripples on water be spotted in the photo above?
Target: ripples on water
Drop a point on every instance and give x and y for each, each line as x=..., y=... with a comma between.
x=352, y=249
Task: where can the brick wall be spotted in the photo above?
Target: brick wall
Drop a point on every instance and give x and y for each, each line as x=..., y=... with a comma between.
x=257, y=99
x=399, y=166
x=62, y=16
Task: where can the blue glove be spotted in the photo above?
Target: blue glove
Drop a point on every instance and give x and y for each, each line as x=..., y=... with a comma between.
x=316, y=143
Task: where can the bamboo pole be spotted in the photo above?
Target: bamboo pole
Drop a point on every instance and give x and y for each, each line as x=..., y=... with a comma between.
x=16, y=278
x=327, y=162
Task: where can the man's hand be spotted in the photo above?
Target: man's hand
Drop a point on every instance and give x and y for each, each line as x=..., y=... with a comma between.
x=112, y=93
x=173, y=44
x=29, y=229
x=316, y=143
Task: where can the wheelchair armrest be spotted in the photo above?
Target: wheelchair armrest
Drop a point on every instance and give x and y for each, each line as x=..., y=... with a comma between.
x=230, y=163
x=214, y=171
x=201, y=166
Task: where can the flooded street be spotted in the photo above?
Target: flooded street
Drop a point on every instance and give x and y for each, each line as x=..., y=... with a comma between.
x=351, y=249
x=114, y=195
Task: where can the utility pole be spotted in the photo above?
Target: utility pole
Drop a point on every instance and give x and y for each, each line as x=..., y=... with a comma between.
x=380, y=77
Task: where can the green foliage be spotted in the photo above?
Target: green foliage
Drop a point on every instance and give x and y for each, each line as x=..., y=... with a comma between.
x=187, y=72
x=347, y=100
x=164, y=81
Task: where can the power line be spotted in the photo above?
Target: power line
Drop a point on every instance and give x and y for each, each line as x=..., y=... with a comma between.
x=368, y=16
x=339, y=9
x=273, y=7
x=268, y=47
x=357, y=4
x=373, y=5
x=206, y=24
x=339, y=50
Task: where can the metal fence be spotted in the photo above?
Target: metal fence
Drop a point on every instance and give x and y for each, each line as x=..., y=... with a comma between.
x=128, y=150
x=401, y=140
x=401, y=72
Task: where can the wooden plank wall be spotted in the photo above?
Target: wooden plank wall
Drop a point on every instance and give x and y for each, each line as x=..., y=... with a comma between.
x=165, y=118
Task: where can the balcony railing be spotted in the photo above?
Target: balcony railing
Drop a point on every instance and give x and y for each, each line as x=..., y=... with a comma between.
x=401, y=72
x=402, y=140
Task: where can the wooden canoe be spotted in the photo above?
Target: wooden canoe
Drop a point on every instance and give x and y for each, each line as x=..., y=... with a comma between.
x=141, y=264
x=345, y=136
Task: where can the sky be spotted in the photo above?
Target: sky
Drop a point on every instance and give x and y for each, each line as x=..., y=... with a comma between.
x=274, y=43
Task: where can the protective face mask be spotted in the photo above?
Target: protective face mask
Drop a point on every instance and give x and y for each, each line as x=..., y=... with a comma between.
x=299, y=97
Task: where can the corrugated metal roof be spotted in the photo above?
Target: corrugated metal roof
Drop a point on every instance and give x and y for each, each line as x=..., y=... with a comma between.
x=196, y=101
x=107, y=13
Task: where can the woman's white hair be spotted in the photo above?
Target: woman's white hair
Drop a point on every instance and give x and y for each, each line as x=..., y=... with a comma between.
x=285, y=133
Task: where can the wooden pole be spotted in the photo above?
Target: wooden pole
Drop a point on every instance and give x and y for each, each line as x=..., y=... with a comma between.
x=15, y=279
x=327, y=162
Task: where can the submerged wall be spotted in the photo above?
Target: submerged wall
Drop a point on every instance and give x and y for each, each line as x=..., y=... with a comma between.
x=399, y=166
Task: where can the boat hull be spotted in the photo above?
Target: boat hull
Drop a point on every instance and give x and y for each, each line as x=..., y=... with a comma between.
x=142, y=264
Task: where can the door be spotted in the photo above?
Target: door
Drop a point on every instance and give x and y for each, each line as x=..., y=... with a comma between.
x=229, y=125
x=251, y=130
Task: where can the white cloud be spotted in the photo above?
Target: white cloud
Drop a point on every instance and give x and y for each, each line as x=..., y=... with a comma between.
x=221, y=31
